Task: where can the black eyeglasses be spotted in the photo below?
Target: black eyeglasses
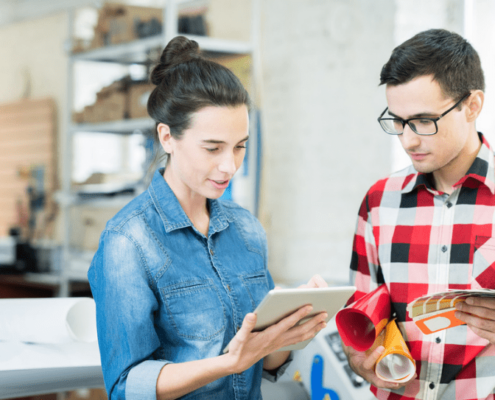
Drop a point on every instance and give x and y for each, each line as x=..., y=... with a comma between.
x=420, y=126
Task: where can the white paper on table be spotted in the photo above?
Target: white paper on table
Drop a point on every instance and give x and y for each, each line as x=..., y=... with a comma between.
x=25, y=356
x=28, y=369
x=48, y=320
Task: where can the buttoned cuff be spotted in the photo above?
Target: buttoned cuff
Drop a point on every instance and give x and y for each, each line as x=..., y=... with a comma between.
x=141, y=380
x=273, y=376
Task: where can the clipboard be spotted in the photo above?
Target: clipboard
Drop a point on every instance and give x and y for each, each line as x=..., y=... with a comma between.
x=281, y=303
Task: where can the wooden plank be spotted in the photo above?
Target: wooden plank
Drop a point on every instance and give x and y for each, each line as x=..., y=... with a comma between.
x=28, y=129
x=39, y=142
x=28, y=137
x=27, y=106
x=12, y=174
x=20, y=119
x=29, y=147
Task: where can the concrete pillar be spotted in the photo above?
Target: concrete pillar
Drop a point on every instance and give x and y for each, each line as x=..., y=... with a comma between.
x=323, y=147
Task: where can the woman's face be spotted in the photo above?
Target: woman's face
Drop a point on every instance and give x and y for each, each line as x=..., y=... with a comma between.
x=208, y=154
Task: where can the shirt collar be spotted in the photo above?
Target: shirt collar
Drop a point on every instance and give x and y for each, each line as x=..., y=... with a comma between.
x=481, y=170
x=171, y=212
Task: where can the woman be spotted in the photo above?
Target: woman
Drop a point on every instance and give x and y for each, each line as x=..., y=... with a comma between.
x=178, y=273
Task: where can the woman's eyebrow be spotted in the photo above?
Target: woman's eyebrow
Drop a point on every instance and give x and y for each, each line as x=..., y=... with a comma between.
x=213, y=141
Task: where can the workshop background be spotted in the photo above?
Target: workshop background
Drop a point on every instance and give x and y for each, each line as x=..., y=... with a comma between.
x=74, y=134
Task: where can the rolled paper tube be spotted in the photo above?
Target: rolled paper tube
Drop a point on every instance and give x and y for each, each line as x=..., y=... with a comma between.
x=396, y=363
x=48, y=320
x=361, y=322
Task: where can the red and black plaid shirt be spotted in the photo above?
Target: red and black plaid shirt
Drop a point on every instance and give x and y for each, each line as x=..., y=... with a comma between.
x=418, y=241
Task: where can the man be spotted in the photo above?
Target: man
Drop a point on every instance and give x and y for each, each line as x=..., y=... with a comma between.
x=430, y=227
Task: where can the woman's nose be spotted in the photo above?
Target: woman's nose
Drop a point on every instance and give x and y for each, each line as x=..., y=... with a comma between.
x=228, y=164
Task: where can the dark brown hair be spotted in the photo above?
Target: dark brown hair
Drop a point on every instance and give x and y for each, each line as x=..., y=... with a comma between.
x=452, y=61
x=186, y=82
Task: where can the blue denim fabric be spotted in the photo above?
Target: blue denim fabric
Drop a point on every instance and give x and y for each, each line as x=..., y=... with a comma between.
x=165, y=293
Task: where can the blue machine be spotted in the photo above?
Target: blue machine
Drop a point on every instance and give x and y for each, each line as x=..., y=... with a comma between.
x=318, y=392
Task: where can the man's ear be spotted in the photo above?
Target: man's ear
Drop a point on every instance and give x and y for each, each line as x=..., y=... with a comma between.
x=165, y=137
x=474, y=105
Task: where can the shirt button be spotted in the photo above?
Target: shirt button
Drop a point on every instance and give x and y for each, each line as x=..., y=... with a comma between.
x=228, y=288
x=448, y=204
x=444, y=248
x=438, y=340
x=237, y=328
x=432, y=385
x=211, y=252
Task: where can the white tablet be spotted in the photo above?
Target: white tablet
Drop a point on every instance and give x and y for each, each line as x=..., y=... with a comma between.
x=281, y=303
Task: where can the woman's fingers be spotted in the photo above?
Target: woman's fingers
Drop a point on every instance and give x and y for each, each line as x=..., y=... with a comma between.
x=247, y=327
x=294, y=318
x=291, y=334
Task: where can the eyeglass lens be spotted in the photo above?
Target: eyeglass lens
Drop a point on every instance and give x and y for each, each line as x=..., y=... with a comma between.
x=420, y=126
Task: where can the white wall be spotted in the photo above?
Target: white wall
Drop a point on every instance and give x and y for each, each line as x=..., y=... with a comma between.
x=34, y=51
x=323, y=146
x=481, y=33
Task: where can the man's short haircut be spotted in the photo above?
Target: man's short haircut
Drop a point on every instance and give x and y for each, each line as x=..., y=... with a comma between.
x=452, y=61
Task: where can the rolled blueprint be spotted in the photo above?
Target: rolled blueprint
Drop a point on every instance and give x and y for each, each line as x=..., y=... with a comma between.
x=50, y=320
x=396, y=363
x=361, y=322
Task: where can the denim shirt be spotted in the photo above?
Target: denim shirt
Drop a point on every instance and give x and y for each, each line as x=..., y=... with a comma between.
x=165, y=293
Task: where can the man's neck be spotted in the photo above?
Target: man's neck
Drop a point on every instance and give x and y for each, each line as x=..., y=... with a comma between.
x=445, y=178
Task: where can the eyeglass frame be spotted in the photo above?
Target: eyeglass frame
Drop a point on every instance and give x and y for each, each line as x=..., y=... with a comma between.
x=406, y=121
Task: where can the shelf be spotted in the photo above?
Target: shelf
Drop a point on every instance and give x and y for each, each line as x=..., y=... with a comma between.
x=221, y=45
x=123, y=126
x=117, y=201
x=136, y=52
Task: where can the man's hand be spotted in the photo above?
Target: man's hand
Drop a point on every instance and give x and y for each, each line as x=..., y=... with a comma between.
x=316, y=281
x=363, y=363
x=479, y=314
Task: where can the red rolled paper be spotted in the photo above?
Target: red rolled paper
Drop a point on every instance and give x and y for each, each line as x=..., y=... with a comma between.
x=361, y=322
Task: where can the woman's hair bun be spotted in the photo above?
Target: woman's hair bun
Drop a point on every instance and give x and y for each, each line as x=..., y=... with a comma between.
x=179, y=50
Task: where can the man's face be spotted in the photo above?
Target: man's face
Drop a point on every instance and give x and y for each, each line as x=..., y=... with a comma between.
x=423, y=97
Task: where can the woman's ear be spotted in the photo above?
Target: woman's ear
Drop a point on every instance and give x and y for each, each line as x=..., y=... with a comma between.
x=165, y=137
x=474, y=105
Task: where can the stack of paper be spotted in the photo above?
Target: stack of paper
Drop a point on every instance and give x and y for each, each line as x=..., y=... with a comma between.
x=435, y=312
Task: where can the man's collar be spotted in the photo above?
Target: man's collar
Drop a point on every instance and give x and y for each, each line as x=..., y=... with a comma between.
x=171, y=212
x=481, y=170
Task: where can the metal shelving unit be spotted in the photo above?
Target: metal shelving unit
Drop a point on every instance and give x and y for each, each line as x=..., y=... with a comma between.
x=136, y=52
x=124, y=126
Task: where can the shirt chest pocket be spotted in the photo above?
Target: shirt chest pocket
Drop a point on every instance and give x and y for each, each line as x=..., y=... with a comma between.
x=195, y=309
x=256, y=285
x=484, y=262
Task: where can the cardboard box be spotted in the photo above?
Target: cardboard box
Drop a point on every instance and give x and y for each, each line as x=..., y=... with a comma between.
x=111, y=108
x=138, y=95
x=110, y=105
x=119, y=23
x=87, y=224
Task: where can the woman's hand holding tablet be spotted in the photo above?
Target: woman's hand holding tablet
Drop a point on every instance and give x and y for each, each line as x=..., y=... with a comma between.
x=291, y=316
